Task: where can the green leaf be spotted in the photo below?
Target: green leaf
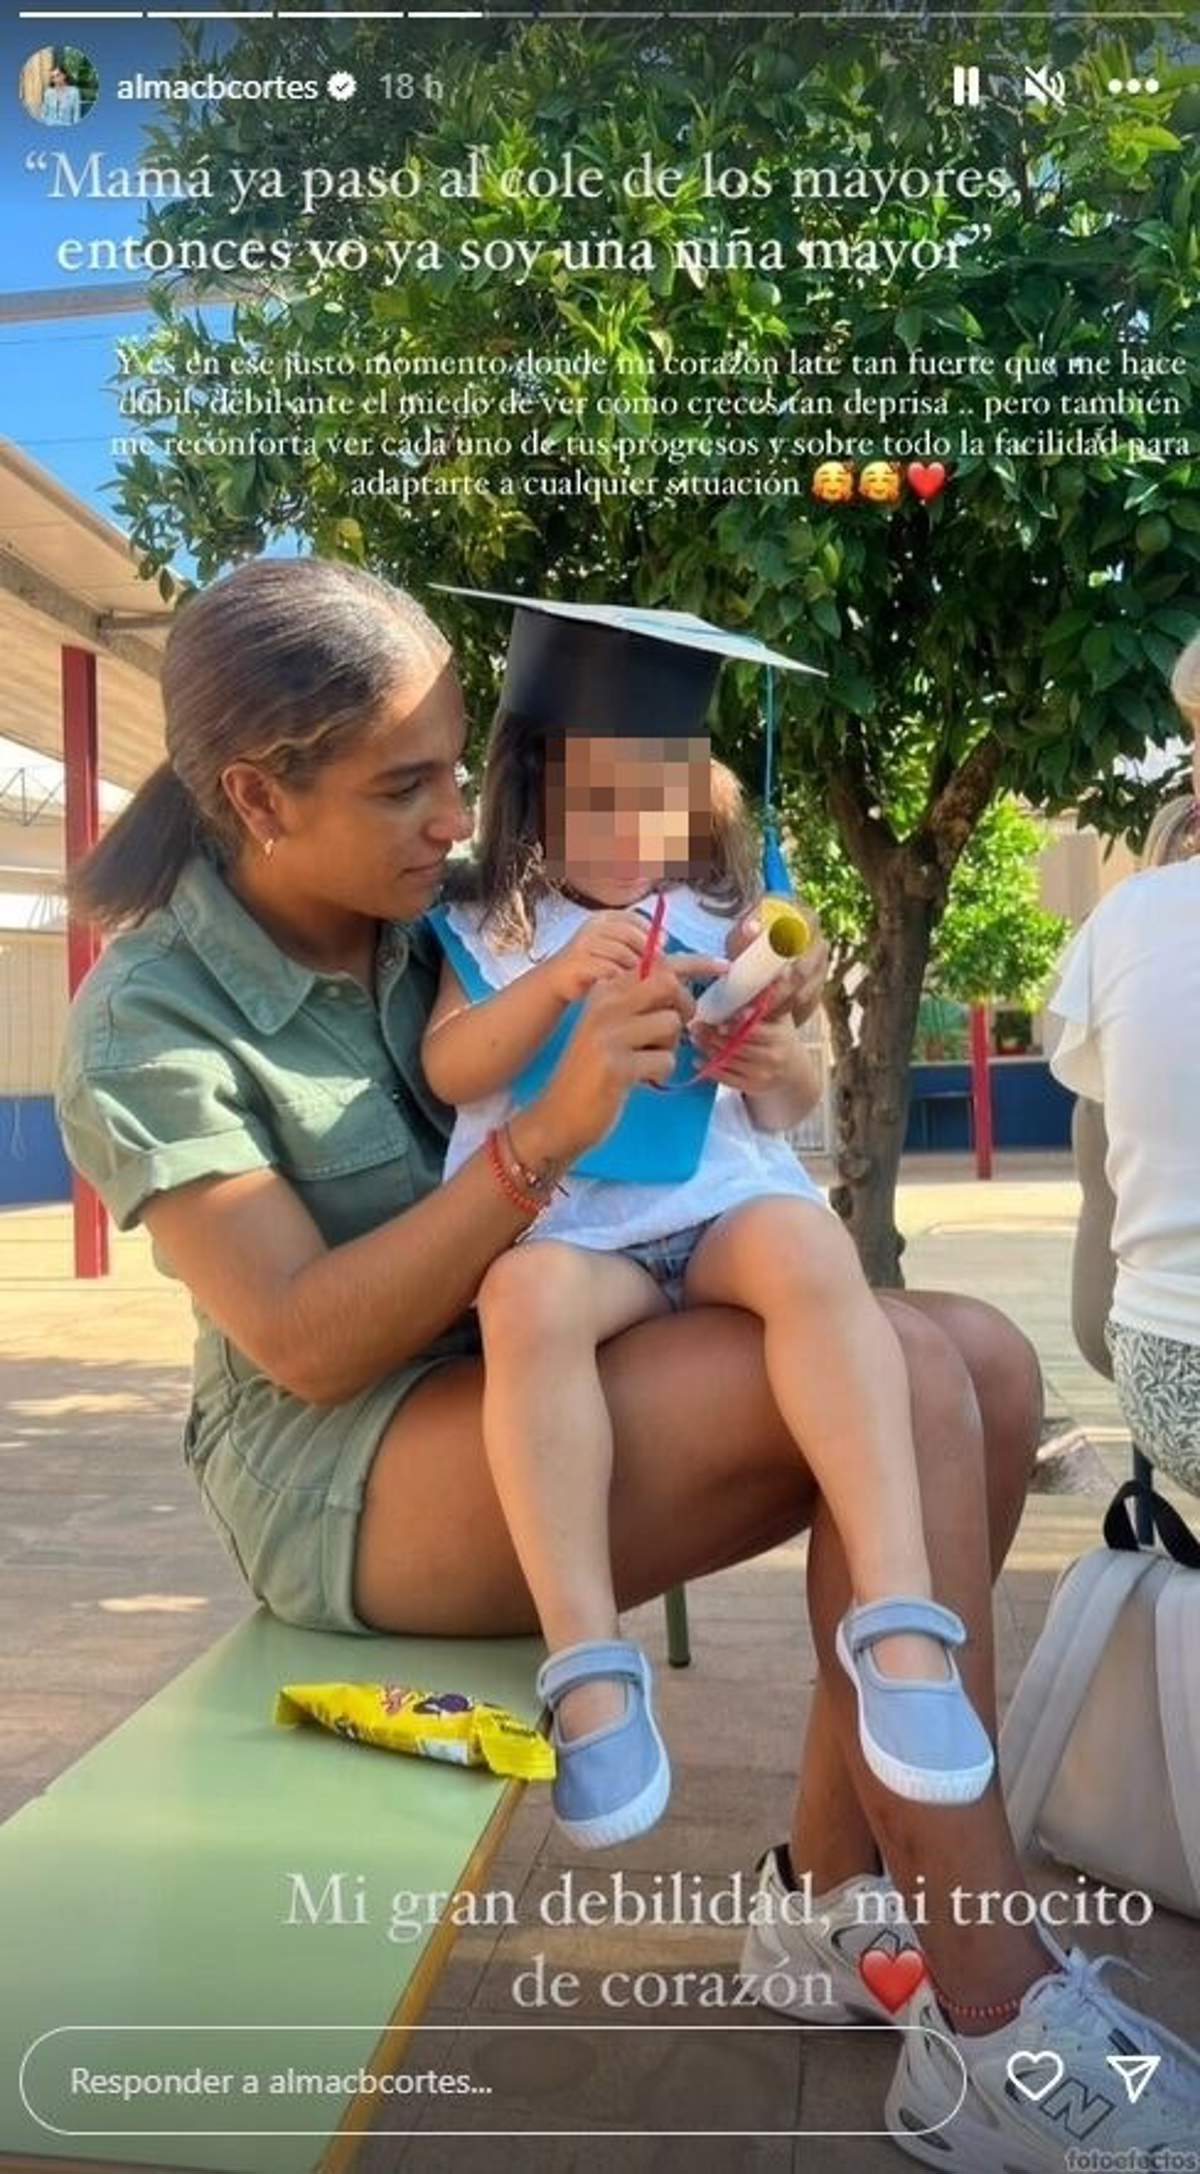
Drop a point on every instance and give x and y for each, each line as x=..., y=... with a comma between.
x=1163, y=654
x=1184, y=624
x=1069, y=624
x=1097, y=649
x=1136, y=711
x=1153, y=534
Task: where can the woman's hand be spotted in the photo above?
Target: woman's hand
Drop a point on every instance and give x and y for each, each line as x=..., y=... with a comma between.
x=607, y=944
x=627, y=1033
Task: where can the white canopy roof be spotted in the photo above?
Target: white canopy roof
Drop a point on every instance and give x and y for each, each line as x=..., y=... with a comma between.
x=68, y=575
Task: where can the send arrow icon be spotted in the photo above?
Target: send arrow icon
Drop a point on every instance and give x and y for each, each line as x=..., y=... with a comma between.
x=1134, y=2070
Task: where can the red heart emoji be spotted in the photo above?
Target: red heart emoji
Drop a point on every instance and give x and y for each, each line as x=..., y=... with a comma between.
x=926, y=479
x=892, y=1978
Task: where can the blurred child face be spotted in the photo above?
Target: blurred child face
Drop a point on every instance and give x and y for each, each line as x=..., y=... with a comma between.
x=623, y=815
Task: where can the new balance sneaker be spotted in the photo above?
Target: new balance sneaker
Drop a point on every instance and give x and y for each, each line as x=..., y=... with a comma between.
x=1044, y=2085
x=851, y=1958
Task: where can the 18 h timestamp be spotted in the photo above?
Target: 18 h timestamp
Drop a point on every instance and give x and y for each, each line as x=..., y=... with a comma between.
x=403, y=84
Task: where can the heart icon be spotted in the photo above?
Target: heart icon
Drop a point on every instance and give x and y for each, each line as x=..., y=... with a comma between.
x=892, y=1978
x=926, y=478
x=1020, y=2066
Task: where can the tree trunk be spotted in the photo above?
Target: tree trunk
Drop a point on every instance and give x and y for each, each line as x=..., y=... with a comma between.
x=871, y=1084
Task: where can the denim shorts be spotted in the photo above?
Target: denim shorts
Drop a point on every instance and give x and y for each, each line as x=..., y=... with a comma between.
x=666, y=1258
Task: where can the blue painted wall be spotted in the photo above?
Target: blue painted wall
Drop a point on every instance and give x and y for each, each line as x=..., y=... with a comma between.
x=33, y=1168
x=1029, y=1108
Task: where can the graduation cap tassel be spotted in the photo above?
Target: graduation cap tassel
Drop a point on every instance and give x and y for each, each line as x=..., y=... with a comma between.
x=775, y=872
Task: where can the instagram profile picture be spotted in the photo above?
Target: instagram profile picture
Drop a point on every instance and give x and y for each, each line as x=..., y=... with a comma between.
x=59, y=86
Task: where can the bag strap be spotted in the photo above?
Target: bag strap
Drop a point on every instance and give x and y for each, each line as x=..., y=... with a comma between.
x=1174, y=1649
x=1058, y=1676
x=1181, y=1544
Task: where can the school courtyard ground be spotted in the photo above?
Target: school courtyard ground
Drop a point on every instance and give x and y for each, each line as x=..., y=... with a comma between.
x=112, y=1581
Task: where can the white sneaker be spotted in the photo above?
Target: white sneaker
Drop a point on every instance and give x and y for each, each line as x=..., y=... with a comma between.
x=1068, y=2025
x=811, y=1967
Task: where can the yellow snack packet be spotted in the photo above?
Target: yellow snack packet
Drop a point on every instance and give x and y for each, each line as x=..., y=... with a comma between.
x=429, y=1724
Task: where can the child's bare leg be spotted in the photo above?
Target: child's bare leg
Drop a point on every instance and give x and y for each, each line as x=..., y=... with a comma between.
x=838, y=1376
x=543, y=1310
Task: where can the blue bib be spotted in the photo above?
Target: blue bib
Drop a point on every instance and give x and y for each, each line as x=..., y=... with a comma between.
x=658, y=1138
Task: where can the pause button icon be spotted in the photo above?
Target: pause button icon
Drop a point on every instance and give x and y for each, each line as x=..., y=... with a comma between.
x=966, y=86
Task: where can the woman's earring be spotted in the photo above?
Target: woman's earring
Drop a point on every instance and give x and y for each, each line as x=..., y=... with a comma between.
x=269, y=847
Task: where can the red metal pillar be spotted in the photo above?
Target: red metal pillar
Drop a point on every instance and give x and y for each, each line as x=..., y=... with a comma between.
x=981, y=1089
x=81, y=759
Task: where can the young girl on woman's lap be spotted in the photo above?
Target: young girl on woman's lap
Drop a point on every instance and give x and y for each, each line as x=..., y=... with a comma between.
x=580, y=830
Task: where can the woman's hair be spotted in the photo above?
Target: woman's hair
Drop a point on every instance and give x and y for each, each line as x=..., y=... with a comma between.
x=510, y=873
x=1174, y=835
x=1185, y=684
x=283, y=663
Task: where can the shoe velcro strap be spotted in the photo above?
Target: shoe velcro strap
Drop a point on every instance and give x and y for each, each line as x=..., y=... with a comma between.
x=886, y=1618
x=578, y=1664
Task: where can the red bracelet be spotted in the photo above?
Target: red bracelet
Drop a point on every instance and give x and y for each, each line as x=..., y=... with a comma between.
x=531, y=1178
x=1005, y=2010
x=518, y=1199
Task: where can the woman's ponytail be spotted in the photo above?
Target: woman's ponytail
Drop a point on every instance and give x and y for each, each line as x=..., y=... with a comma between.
x=137, y=863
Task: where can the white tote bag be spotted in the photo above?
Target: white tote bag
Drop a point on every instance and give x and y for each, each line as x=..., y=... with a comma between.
x=1100, y=1748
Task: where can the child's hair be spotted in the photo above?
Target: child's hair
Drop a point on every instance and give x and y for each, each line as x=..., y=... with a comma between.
x=1174, y=835
x=509, y=873
x=1185, y=683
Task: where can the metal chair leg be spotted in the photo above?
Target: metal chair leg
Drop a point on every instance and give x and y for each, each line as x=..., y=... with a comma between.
x=1143, y=1472
x=679, y=1652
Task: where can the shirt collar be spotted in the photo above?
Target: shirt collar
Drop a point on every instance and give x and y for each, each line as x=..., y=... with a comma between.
x=265, y=984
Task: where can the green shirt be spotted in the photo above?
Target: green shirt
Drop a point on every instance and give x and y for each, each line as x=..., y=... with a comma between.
x=197, y=1048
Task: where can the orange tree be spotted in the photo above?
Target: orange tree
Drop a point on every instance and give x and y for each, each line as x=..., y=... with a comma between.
x=1014, y=633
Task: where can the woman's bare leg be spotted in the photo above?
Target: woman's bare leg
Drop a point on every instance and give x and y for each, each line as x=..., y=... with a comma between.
x=704, y=1475
x=543, y=1311
x=830, y=1836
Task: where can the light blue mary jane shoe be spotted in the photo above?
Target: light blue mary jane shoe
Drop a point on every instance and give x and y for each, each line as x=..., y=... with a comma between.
x=615, y=1781
x=921, y=1740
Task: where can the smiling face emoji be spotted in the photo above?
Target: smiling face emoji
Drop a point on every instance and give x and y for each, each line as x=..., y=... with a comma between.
x=880, y=483
x=833, y=482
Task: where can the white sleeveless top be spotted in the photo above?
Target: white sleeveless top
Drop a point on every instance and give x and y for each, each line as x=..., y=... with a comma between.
x=738, y=1162
x=1129, y=996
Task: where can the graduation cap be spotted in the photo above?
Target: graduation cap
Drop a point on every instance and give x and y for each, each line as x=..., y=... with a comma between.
x=626, y=671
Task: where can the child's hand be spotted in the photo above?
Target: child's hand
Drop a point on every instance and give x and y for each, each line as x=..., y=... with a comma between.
x=607, y=944
x=797, y=988
x=766, y=1059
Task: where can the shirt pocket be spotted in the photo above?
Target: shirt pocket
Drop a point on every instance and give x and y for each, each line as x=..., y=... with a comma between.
x=347, y=1148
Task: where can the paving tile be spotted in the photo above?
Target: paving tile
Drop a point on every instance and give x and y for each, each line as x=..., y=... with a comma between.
x=595, y=2072
x=598, y=2154
x=845, y=2079
x=93, y=1389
